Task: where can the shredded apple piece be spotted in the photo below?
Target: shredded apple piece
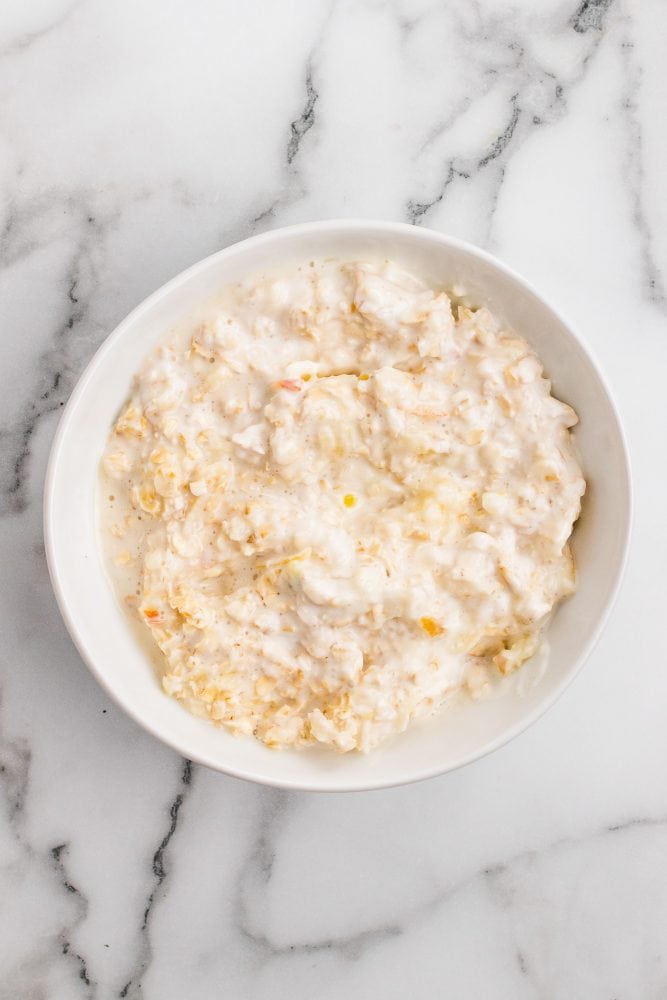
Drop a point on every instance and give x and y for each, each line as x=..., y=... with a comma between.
x=432, y=627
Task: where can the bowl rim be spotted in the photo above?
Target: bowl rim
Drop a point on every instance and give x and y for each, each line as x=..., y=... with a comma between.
x=354, y=225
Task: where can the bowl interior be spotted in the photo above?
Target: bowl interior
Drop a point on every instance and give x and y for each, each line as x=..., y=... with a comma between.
x=465, y=730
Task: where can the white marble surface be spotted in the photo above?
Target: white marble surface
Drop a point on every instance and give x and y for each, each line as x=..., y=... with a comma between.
x=137, y=137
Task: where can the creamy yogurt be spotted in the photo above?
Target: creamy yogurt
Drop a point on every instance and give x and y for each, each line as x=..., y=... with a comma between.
x=337, y=502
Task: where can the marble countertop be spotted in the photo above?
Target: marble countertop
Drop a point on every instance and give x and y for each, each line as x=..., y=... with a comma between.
x=138, y=137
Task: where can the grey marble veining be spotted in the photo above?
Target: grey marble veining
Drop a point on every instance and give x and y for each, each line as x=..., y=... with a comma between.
x=135, y=140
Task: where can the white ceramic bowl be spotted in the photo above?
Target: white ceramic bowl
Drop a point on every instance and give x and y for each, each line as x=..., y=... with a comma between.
x=109, y=643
